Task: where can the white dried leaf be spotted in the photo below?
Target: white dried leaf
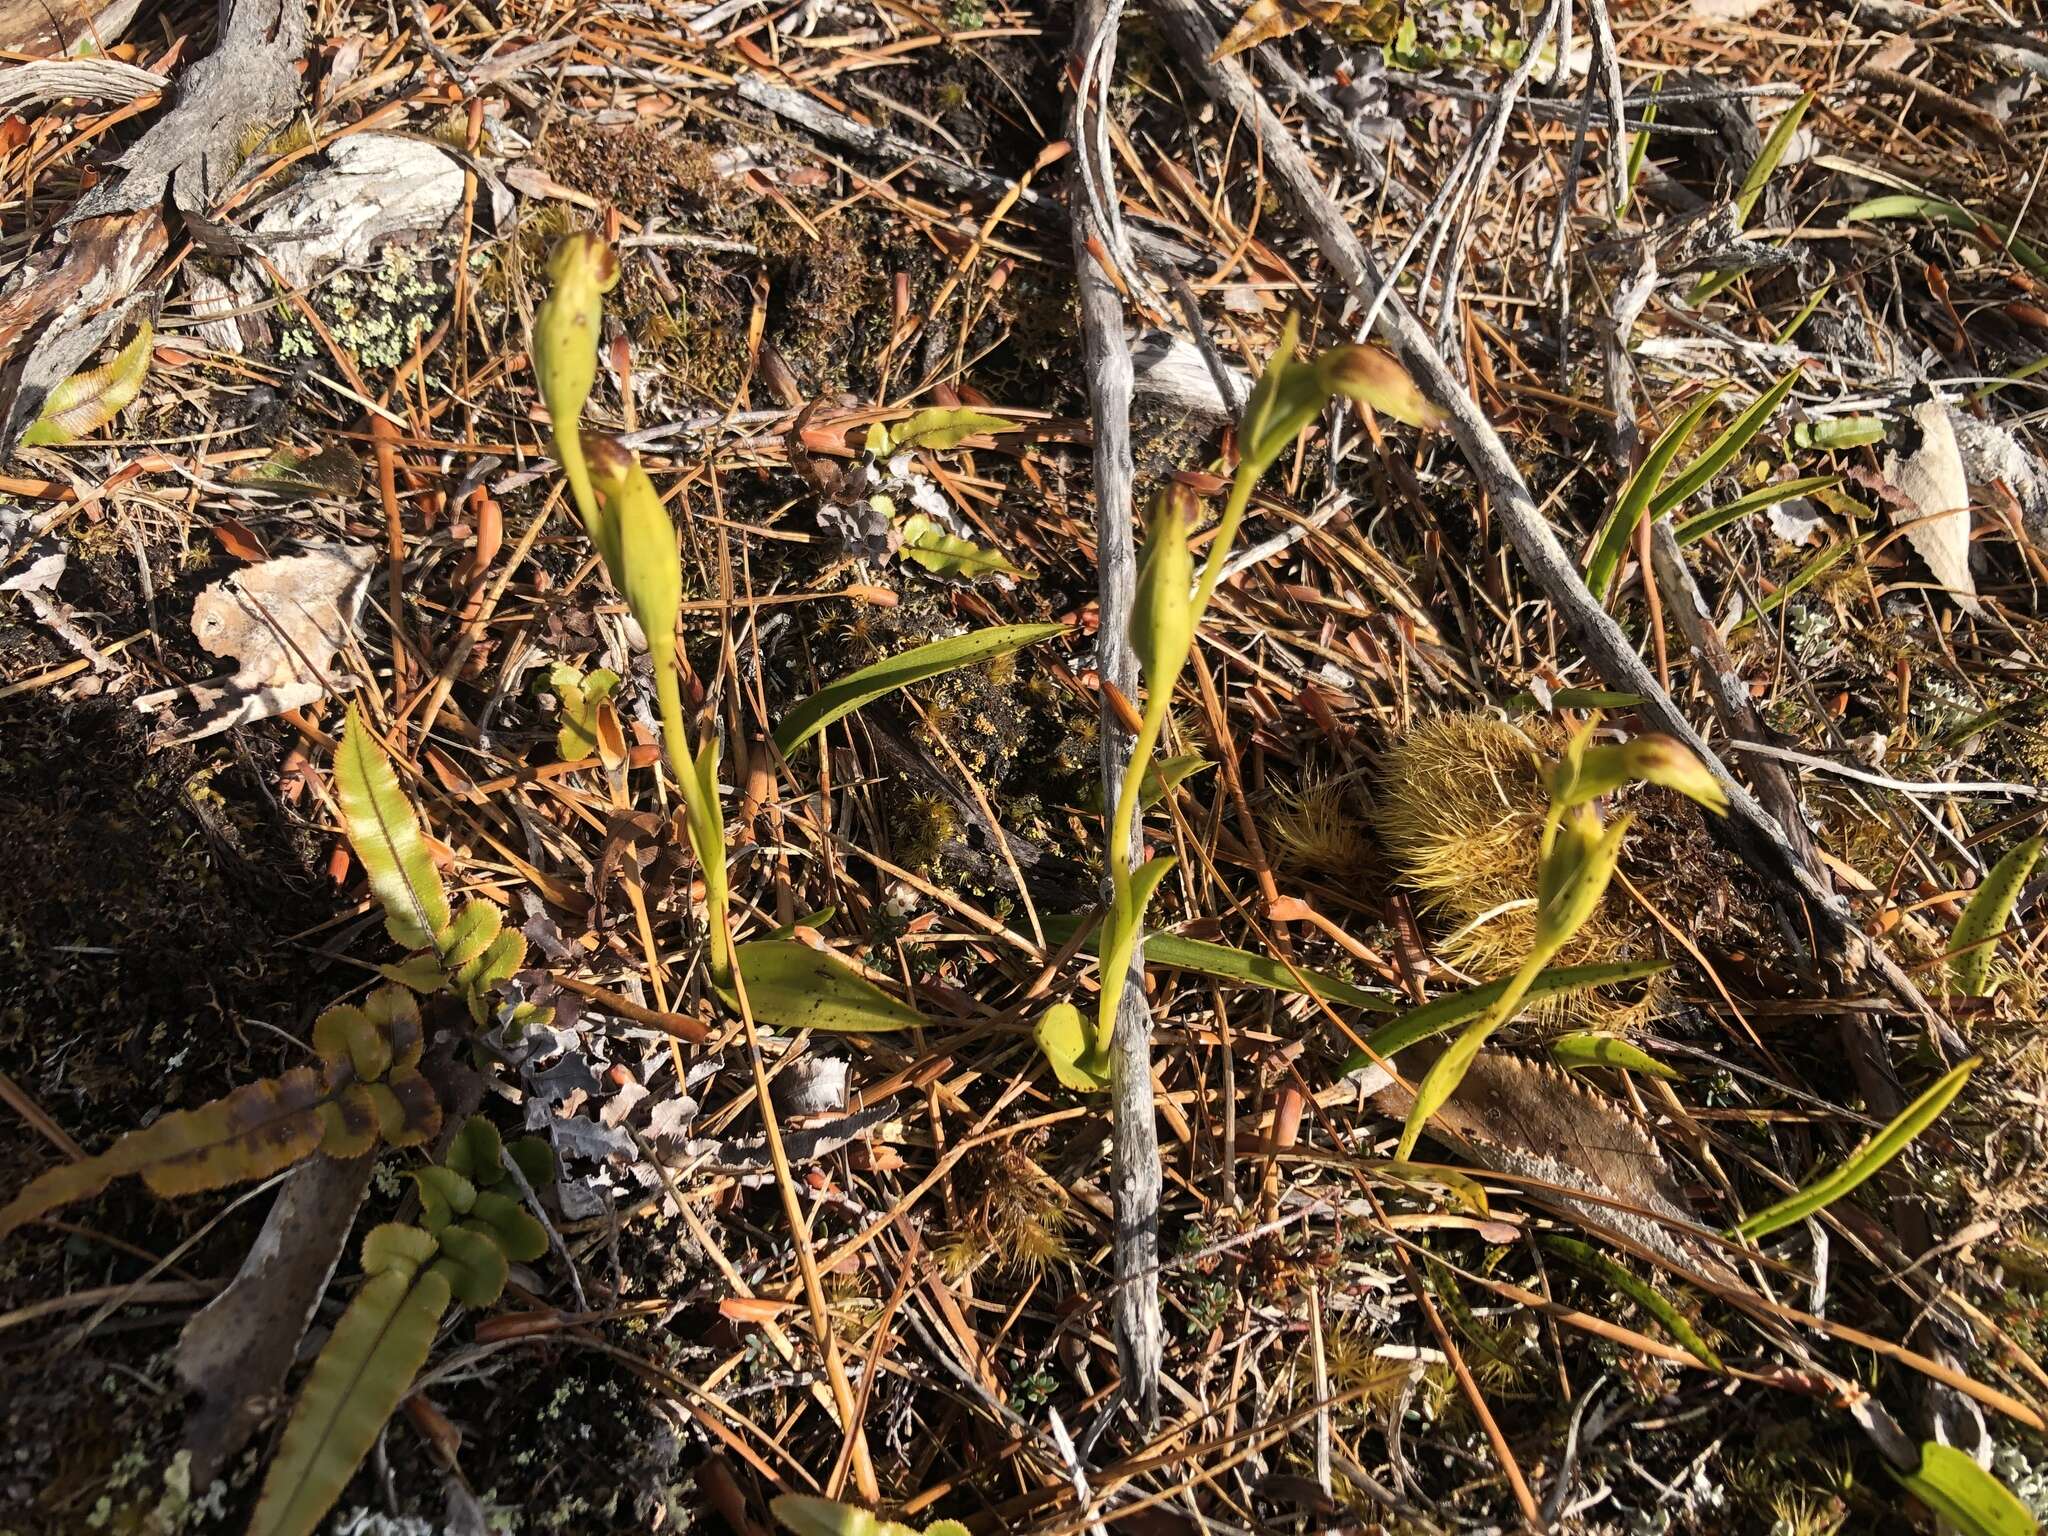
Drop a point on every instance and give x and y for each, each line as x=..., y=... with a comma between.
x=376, y=186
x=282, y=622
x=1933, y=479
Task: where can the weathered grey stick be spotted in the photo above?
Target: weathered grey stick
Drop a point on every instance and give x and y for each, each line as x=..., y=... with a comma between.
x=1755, y=835
x=1134, y=1136
x=837, y=128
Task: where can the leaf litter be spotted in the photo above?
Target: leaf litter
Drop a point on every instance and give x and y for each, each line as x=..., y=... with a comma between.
x=1337, y=1339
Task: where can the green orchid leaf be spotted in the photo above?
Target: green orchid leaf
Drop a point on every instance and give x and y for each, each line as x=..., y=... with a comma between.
x=1722, y=451
x=1062, y=1034
x=1226, y=963
x=792, y=986
x=1989, y=232
x=1965, y=1496
x=844, y=695
x=1164, y=775
x=1619, y=531
x=1693, y=529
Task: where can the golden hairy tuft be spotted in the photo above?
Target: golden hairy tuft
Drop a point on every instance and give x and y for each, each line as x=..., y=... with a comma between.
x=1317, y=827
x=1459, y=814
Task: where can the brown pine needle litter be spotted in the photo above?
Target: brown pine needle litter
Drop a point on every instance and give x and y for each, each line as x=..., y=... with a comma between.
x=924, y=312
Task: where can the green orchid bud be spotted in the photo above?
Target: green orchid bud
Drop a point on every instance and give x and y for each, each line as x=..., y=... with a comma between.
x=1576, y=867
x=1667, y=761
x=639, y=541
x=1162, y=609
x=581, y=270
x=1285, y=400
x=1373, y=376
x=1587, y=772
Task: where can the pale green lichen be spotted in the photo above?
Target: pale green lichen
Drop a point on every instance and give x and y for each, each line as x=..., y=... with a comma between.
x=376, y=317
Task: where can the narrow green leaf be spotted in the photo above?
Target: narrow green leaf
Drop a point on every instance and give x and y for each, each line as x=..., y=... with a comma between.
x=792, y=986
x=370, y=1362
x=1693, y=529
x=1583, y=1049
x=1225, y=963
x=87, y=401
x=1455, y=1008
x=1734, y=438
x=1865, y=1161
x=1767, y=159
x=1638, y=151
x=1619, y=531
x=844, y=695
x=946, y=428
x=1646, y=1296
x=1440, y=1082
x=1976, y=937
x=1752, y=188
x=1965, y=1496
x=386, y=836
x=1989, y=232
x=1805, y=577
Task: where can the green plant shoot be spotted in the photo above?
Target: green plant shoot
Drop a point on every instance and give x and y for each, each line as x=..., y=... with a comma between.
x=624, y=515
x=1576, y=860
x=645, y=569
x=582, y=269
x=1288, y=397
